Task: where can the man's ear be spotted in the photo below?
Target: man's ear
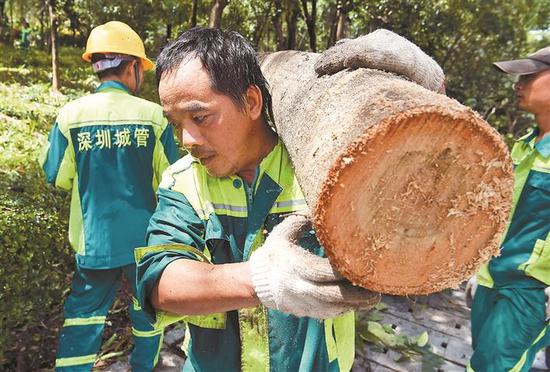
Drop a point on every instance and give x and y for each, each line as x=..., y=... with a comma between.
x=254, y=102
x=130, y=67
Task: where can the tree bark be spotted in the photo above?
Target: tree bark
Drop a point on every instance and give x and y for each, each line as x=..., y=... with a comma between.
x=291, y=20
x=194, y=14
x=278, y=27
x=344, y=7
x=310, y=17
x=43, y=42
x=168, y=32
x=409, y=190
x=333, y=21
x=2, y=25
x=53, y=36
x=216, y=13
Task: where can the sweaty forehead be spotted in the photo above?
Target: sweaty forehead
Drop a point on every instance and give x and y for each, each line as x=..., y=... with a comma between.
x=188, y=82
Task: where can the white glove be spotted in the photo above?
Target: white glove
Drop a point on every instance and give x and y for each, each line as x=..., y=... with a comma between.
x=470, y=291
x=290, y=279
x=387, y=51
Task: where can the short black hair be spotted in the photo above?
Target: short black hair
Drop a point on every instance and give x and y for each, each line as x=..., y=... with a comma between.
x=228, y=58
x=116, y=71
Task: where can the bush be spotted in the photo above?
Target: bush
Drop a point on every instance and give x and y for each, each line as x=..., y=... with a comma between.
x=37, y=258
x=33, y=223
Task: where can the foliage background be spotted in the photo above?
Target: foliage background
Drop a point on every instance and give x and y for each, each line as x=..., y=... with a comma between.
x=464, y=36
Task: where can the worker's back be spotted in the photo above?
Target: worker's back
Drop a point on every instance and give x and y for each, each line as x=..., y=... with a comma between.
x=116, y=147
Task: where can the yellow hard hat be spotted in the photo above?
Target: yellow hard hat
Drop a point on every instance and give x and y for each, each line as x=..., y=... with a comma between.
x=116, y=37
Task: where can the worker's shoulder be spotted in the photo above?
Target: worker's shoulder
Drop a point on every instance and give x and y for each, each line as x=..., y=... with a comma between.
x=69, y=112
x=109, y=106
x=181, y=173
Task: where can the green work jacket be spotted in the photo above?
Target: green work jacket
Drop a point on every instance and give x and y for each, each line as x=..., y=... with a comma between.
x=524, y=260
x=222, y=220
x=110, y=149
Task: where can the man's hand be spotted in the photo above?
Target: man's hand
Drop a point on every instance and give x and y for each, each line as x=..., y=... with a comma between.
x=387, y=51
x=290, y=279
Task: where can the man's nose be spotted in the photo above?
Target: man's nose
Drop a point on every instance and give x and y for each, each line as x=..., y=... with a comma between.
x=191, y=137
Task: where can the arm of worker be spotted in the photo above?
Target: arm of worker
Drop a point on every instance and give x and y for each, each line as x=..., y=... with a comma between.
x=57, y=158
x=208, y=288
x=387, y=51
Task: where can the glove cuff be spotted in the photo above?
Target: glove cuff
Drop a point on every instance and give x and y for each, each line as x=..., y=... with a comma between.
x=260, y=280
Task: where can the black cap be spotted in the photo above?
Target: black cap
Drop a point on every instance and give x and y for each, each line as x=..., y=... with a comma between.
x=536, y=62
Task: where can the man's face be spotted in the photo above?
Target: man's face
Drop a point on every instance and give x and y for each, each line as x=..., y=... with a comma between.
x=533, y=92
x=208, y=124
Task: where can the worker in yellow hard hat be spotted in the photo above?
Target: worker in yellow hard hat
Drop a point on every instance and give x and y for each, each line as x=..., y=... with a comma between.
x=114, y=45
x=110, y=148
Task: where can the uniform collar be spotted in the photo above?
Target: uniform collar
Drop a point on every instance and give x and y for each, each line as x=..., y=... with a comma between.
x=112, y=85
x=543, y=146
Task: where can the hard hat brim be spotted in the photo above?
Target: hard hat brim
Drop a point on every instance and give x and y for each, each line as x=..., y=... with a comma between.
x=146, y=62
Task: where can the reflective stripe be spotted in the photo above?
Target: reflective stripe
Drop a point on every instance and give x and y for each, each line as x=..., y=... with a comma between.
x=469, y=368
x=290, y=203
x=289, y=206
x=232, y=208
x=84, y=321
x=154, y=332
x=541, y=168
x=523, y=358
x=142, y=251
x=135, y=302
x=75, y=361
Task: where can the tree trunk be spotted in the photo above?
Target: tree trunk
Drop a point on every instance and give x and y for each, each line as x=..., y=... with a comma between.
x=333, y=22
x=291, y=20
x=168, y=32
x=43, y=39
x=310, y=17
x=409, y=190
x=342, y=18
x=260, y=25
x=278, y=27
x=194, y=14
x=10, y=24
x=53, y=35
x=216, y=13
x=2, y=25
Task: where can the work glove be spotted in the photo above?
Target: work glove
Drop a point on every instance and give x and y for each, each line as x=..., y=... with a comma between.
x=290, y=279
x=470, y=291
x=387, y=51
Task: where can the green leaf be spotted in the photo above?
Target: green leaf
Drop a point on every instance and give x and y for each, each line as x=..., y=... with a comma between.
x=423, y=339
x=381, y=306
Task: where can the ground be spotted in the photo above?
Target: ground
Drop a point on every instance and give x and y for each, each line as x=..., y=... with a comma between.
x=444, y=316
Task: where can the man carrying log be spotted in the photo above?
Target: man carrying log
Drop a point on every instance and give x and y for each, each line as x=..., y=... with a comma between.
x=260, y=296
x=253, y=299
x=509, y=323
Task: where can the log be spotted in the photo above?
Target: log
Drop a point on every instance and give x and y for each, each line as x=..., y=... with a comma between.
x=409, y=190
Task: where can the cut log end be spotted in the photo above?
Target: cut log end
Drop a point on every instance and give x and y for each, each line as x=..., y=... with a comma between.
x=415, y=204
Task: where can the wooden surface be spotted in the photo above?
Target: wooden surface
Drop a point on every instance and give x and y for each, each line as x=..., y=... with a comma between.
x=444, y=316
